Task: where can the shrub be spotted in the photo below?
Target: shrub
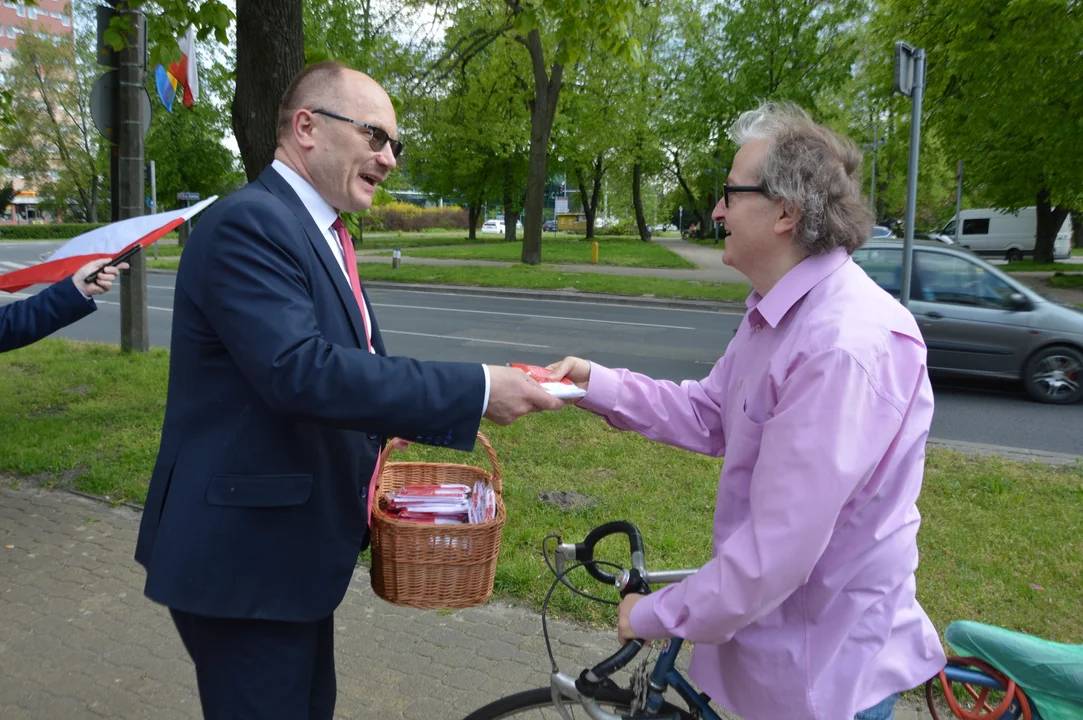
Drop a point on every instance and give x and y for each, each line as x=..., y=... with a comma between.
x=395, y=216
x=624, y=227
x=53, y=231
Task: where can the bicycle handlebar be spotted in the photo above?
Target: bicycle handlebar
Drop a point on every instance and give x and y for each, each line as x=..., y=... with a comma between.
x=584, y=551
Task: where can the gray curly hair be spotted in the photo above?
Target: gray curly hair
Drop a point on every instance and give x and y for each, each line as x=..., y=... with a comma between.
x=813, y=170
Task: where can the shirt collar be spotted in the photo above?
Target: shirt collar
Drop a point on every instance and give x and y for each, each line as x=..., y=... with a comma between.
x=321, y=211
x=795, y=284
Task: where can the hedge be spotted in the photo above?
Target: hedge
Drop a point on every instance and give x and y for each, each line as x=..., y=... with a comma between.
x=406, y=216
x=54, y=231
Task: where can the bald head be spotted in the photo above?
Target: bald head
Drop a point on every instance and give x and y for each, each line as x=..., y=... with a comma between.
x=337, y=130
x=325, y=85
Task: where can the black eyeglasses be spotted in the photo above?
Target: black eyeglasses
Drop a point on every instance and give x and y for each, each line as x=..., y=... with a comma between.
x=378, y=137
x=727, y=189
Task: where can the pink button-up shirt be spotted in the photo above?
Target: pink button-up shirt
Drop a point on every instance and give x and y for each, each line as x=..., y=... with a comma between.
x=821, y=406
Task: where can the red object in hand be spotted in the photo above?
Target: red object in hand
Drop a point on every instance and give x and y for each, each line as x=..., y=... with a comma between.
x=538, y=373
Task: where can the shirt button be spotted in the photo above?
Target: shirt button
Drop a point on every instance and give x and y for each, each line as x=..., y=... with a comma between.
x=759, y=327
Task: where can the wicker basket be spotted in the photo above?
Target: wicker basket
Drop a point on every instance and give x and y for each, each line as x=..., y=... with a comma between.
x=434, y=566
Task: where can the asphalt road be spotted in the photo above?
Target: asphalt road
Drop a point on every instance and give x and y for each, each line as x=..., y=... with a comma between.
x=664, y=343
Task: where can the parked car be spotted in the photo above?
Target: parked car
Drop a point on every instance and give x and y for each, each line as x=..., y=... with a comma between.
x=879, y=231
x=493, y=226
x=980, y=322
x=549, y=226
x=994, y=233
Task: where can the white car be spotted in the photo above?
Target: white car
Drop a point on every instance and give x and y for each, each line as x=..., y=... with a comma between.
x=493, y=226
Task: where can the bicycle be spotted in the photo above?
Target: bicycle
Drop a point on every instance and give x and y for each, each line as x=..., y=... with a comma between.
x=995, y=654
x=594, y=689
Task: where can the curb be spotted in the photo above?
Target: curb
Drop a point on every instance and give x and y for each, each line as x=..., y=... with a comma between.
x=1008, y=453
x=726, y=306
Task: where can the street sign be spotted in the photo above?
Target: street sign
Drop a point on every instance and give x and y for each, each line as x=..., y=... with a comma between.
x=904, y=68
x=561, y=205
x=189, y=196
x=103, y=106
x=107, y=56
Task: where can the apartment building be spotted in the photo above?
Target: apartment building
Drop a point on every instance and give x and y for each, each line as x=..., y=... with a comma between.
x=48, y=16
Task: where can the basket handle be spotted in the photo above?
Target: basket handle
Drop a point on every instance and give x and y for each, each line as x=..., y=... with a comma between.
x=497, y=479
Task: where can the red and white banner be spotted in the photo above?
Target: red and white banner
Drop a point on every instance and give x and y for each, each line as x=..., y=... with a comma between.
x=104, y=242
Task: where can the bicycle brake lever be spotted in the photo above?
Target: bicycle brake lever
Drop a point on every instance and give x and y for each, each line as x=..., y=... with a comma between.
x=565, y=553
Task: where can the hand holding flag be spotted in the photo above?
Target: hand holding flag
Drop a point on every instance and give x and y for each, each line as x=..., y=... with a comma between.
x=104, y=243
x=104, y=275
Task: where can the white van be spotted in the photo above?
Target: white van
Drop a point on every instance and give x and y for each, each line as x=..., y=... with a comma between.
x=995, y=233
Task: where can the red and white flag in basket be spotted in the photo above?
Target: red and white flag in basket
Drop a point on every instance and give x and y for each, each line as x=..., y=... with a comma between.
x=104, y=242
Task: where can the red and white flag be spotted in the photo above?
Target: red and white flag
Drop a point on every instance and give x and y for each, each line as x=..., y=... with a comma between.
x=104, y=242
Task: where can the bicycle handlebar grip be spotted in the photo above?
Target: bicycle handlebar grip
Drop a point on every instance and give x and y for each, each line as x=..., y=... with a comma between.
x=618, y=659
x=584, y=551
x=589, y=680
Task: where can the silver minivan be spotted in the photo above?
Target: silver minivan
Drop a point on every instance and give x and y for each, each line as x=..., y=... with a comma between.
x=979, y=321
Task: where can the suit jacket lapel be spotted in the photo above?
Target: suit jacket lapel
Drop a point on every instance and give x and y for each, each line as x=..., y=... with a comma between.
x=278, y=186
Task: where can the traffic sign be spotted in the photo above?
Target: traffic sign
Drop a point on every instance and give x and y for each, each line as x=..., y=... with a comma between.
x=103, y=106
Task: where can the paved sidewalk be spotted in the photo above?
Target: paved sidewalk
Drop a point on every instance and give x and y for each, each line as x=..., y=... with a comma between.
x=79, y=640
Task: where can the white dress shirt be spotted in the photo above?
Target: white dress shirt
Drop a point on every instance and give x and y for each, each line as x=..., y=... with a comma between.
x=324, y=215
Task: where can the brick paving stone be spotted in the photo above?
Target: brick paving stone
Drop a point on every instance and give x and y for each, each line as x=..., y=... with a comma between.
x=79, y=640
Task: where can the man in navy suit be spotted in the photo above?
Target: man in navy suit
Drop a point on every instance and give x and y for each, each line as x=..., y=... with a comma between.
x=59, y=305
x=280, y=398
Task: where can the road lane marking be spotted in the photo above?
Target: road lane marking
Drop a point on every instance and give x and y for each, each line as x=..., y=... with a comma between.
x=540, y=317
x=466, y=339
x=556, y=300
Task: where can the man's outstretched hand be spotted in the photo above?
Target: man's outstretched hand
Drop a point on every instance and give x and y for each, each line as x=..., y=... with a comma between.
x=513, y=393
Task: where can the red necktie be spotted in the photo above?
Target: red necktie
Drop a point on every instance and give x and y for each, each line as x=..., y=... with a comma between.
x=350, y=258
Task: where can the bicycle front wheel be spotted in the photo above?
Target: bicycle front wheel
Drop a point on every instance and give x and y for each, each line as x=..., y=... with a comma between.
x=538, y=703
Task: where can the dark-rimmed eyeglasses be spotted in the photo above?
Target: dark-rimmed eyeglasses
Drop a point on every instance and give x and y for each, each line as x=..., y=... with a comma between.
x=378, y=137
x=727, y=189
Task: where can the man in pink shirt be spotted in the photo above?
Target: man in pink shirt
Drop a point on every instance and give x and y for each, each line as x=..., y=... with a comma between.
x=821, y=406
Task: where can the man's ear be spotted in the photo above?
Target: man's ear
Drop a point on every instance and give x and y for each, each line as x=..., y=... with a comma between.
x=787, y=219
x=303, y=126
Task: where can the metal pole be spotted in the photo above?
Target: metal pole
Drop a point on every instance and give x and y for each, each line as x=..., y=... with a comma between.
x=154, y=199
x=872, y=185
x=133, y=287
x=912, y=174
x=715, y=198
x=959, y=204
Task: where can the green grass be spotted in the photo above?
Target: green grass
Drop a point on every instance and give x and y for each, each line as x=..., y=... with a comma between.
x=1077, y=251
x=424, y=239
x=611, y=251
x=1031, y=266
x=1001, y=542
x=1060, y=280
x=541, y=277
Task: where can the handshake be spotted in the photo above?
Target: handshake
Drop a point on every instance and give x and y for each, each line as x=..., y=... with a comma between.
x=513, y=393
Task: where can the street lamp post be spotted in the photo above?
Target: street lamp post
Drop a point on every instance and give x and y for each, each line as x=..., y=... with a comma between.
x=910, y=80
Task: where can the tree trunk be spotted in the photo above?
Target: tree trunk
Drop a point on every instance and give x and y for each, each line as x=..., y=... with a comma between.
x=590, y=208
x=511, y=217
x=473, y=210
x=542, y=110
x=637, y=200
x=270, y=52
x=1050, y=220
x=95, y=184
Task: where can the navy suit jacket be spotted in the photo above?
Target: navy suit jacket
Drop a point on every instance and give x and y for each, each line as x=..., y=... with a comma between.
x=275, y=417
x=28, y=321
